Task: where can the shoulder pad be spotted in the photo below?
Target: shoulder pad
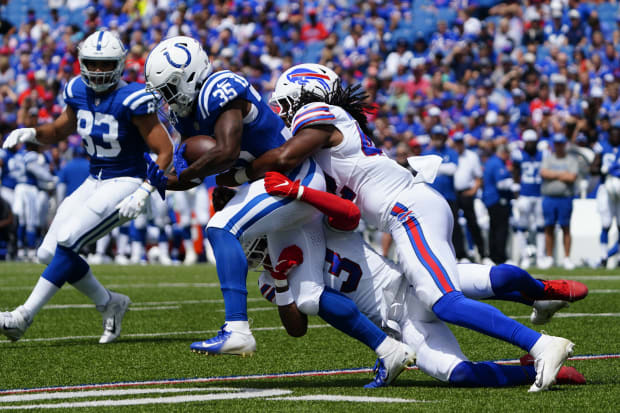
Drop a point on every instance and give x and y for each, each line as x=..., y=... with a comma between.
x=315, y=112
x=70, y=90
x=140, y=102
x=219, y=89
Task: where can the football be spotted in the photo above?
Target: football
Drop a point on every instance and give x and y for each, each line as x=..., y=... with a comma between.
x=197, y=146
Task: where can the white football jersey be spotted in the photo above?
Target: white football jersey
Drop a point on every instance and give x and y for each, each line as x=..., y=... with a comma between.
x=356, y=169
x=356, y=270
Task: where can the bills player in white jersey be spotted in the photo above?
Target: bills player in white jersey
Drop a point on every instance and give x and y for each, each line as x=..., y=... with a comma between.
x=224, y=105
x=380, y=291
x=118, y=123
x=328, y=122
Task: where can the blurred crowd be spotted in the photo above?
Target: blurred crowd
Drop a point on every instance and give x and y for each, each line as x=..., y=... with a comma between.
x=464, y=79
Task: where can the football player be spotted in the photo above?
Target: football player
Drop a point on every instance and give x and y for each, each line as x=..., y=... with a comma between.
x=526, y=172
x=328, y=122
x=380, y=291
x=226, y=106
x=118, y=123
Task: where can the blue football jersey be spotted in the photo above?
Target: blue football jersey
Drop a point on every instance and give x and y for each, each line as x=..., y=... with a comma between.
x=608, y=154
x=105, y=123
x=444, y=184
x=530, y=171
x=18, y=167
x=262, y=128
x=7, y=180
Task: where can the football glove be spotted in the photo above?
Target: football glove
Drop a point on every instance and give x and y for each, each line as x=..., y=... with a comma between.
x=21, y=135
x=156, y=176
x=135, y=204
x=289, y=258
x=279, y=185
x=180, y=164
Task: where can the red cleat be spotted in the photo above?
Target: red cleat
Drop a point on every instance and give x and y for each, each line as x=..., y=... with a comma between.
x=565, y=290
x=569, y=375
x=566, y=375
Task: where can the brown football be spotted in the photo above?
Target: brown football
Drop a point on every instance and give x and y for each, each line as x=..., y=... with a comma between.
x=197, y=146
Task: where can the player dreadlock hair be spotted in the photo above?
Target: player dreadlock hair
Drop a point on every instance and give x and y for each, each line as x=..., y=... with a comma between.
x=353, y=99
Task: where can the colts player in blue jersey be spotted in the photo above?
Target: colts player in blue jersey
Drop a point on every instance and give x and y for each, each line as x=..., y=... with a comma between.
x=117, y=122
x=226, y=106
x=526, y=172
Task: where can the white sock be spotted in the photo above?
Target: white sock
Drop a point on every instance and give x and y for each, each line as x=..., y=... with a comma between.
x=520, y=243
x=540, y=345
x=92, y=288
x=240, y=326
x=42, y=292
x=540, y=244
x=163, y=248
x=386, y=347
x=188, y=244
x=102, y=244
x=136, y=250
x=122, y=244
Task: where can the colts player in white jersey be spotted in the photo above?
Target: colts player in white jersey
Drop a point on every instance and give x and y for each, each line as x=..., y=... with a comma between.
x=226, y=106
x=328, y=123
x=380, y=291
x=118, y=123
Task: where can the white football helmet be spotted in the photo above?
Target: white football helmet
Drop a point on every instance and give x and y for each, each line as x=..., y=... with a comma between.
x=176, y=69
x=310, y=77
x=102, y=46
x=256, y=252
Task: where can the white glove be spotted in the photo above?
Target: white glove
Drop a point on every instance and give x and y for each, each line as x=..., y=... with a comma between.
x=19, y=136
x=135, y=204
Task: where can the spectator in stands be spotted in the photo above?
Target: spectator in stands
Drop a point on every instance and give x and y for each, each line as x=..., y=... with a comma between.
x=444, y=182
x=559, y=172
x=467, y=182
x=314, y=30
x=497, y=191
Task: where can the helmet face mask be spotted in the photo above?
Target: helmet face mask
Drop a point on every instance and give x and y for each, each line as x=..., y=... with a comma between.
x=256, y=252
x=175, y=70
x=102, y=60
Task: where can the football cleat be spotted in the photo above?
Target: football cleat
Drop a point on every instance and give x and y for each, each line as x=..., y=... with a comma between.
x=227, y=342
x=566, y=375
x=549, y=362
x=14, y=324
x=565, y=290
x=390, y=367
x=191, y=257
x=543, y=310
x=113, y=313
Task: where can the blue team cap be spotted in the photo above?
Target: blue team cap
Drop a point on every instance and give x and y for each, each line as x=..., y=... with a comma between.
x=559, y=138
x=458, y=137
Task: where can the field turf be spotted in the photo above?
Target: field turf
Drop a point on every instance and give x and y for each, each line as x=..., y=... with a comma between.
x=150, y=367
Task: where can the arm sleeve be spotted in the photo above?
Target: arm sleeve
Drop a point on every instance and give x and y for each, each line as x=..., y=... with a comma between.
x=447, y=168
x=343, y=214
x=267, y=287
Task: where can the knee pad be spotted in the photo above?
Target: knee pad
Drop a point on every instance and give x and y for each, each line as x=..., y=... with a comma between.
x=44, y=255
x=309, y=303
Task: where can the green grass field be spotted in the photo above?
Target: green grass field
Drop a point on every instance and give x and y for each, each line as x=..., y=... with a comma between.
x=173, y=306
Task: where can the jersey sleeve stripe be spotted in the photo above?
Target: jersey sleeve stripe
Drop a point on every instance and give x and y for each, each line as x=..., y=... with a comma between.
x=69, y=87
x=312, y=119
x=133, y=96
x=203, y=101
x=134, y=105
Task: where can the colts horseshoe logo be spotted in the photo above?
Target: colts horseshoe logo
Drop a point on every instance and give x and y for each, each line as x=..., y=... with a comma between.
x=177, y=65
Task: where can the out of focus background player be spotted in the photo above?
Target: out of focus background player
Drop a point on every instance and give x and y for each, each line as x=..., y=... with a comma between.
x=118, y=123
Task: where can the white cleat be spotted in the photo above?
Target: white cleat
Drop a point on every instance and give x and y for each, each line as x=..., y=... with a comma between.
x=568, y=264
x=121, y=259
x=543, y=310
x=388, y=368
x=113, y=313
x=525, y=263
x=227, y=342
x=191, y=258
x=549, y=362
x=15, y=323
x=545, y=263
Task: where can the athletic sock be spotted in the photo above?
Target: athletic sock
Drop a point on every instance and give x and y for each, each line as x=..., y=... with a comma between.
x=42, y=292
x=92, y=288
x=507, y=278
x=457, y=309
x=232, y=270
x=488, y=374
x=342, y=313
